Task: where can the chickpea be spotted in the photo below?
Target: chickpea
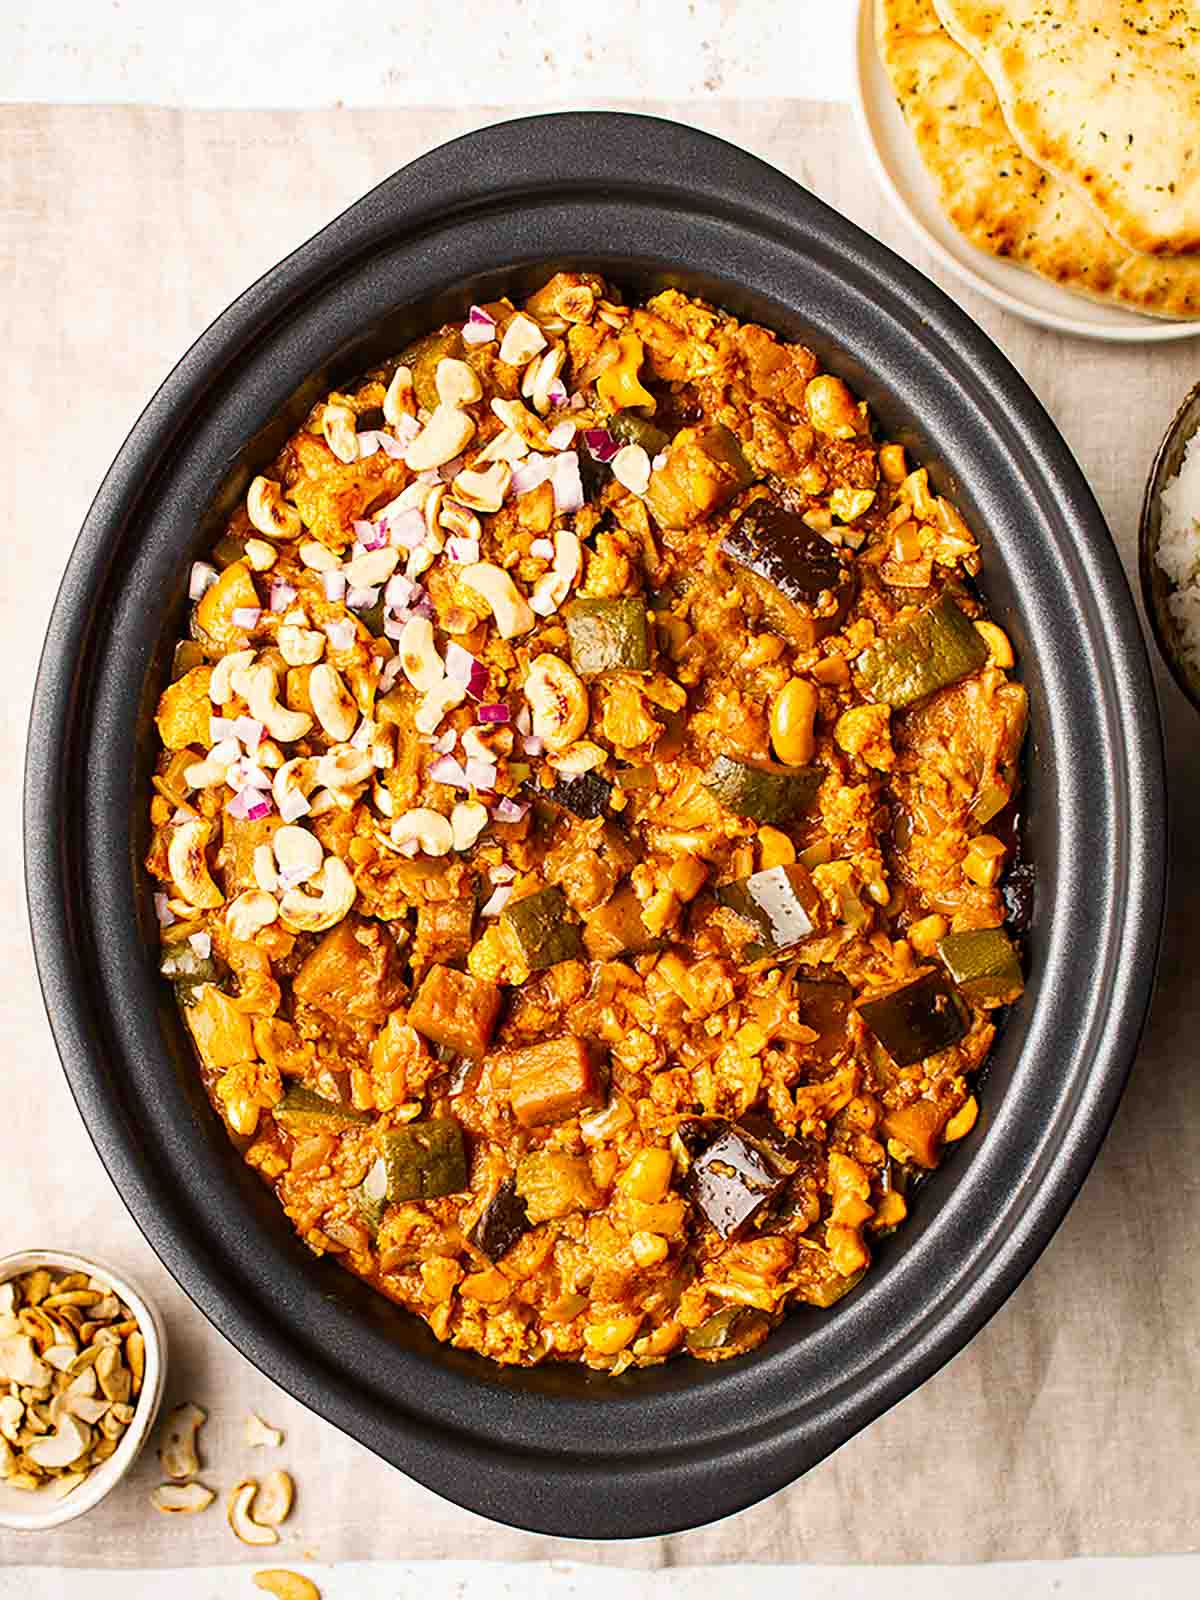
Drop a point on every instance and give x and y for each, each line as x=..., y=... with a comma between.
x=831, y=408
x=892, y=463
x=924, y=935
x=648, y=1176
x=793, y=720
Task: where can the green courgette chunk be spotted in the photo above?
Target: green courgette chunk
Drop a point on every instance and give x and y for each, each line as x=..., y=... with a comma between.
x=763, y=790
x=424, y=1160
x=983, y=964
x=304, y=1111
x=608, y=635
x=540, y=927
x=917, y=1021
x=778, y=903
x=938, y=647
x=627, y=427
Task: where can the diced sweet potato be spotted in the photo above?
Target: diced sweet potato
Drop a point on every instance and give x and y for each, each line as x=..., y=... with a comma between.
x=456, y=1010
x=554, y=1080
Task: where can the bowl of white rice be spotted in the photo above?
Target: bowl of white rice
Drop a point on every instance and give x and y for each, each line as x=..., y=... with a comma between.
x=1169, y=547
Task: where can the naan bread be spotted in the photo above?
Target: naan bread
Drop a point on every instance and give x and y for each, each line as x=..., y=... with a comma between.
x=1000, y=200
x=1105, y=94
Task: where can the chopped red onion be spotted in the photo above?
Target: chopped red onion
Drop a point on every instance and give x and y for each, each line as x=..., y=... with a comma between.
x=368, y=443
x=496, y=901
x=163, y=911
x=461, y=550
x=248, y=731
x=524, y=720
x=568, y=485
x=601, y=444
x=422, y=607
x=372, y=439
x=222, y=728
x=201, y=943
x=445, y=742
x=530, y=474
x=479, y=327
x=342, y=634
x=391, y=669
x=282, y=595
x=371, y=535
x=557, y=393
x=293, y=805
x=510, y=810
x=246, y=617
x=335, y=586
x=481, y=774
x=201, y=581
x=531, y=746
x=543, y=549
x=408, y=530
x=400, y=592
x=493, y=713
x=560, y=435
x=361, y=599
x=250, y=805
x=393, y=627
x=429, y=475
x=462, y=667
x=247, y=774
x=446, y=769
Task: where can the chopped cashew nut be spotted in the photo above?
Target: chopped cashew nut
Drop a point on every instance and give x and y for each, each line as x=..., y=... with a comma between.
x=274, y=1498
x=436, y=702
x=457, y=384
x=188, y=865
x=372, y=568
x=241, y=1499
x=552, y=589
x=269, y=512
x=265, y=875
x=303, y=913
x=558, y=702
x=292, y=785
x=540, y=378
x=300, y=647
x=483, y=491
x=318, y=557
x=258, y=1432
x=457, y=520
x=332, y=701
x=178, y=1453
x=419, y=658
x=260, y=687
x=60, y=1449
x=446, y=435
x=285, y=1585
x=220, y=685
x=467, y=822
x=509, y=606
x=522, y=341
x=524, y=423
x=399, y=401
x=344, y=767
x=252, y=910
x=338, y=424
x=177, y=1498
x=261, y=555
x=427, y=829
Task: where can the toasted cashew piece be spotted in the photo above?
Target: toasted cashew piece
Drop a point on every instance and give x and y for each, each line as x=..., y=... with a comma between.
x=302, y=913
x=260, y=687
x=61, y=1448
x=265, y=875
x=419, y=658
x=285, y=1585
x=220, y=685
x=297, y=852
x=318, y=557
x=429, y=829
x=252, y=910
x=344, y=767
x=261, y=555
x=258, y=1432
x=447, y=434
x=179, y=1497
x=188, y=865
x=274, y=1498
x=241, y=1498
x=483, y=491
x=177, y=1453
x=522, y=421
x=269, y=511
x=300, y=647
x=508, y=604
x=558, y=701
x=467, y=822
x=457, y=383
x=436, y=702
x=399, y=401
x=297, y=777
x=372, y=568
x=540, y=376
x=340, y=427
x=332, y=701
x=458, y=520
x=522, y=340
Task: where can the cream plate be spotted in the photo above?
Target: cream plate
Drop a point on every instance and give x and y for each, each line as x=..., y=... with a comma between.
x=900, y=170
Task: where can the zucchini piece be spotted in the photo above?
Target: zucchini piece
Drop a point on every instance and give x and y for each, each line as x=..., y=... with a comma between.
x=187, y=971
x=187, y=656
x=627, y=427
x=983, y=964
x=616, y=928
x=422, y=357
x=553, y=1184
x=779, y=903
x=305, y=1111
x=503, y=1221
x=586, y=796
x=539, y=925
x=371, y=1195
x=917, y=1021
x=608, y=635
x=730, y=1331
x=424, y=1160
x=938, y=647
x=765, y=791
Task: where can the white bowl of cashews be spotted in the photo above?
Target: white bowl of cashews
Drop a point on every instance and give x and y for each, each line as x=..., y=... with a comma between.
x=32, y=1510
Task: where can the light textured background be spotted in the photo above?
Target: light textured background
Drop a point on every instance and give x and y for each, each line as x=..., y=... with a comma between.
x=1071, y=1424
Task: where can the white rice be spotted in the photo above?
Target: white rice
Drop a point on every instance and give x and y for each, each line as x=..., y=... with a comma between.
x=1178, y=551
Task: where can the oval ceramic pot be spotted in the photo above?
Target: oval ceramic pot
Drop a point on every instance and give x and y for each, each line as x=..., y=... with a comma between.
x=559, y=1449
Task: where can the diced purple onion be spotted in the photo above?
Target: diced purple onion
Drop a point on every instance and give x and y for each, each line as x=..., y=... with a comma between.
x=335, y=586
x=481, y=774
x=373, y=439
x=248, y=731
x=200, y=581
x=393, y=627
x=400, y=592
x=163, y=911
x=222, y=728
x=568, y=485
x=510, y=810
x=201, y=943
x=557, y=393
x=659, y=462
x=361, y=599
x=524, y=720
x=392, y=669
x=601, y=444
x=461, y=550
x=371, y=535
x=447, y=769
x=496, y=901
x=462, y=667
x=560, y=435
x=479, y=327
x=246, y=617
x=250, y=805
x=293, y=805
x=247, y=774
x=422, y=607
x=408, y=530
x=428, y=475
x=341, y=634
x=493, y=713
x=282, y=595
x=368, y=443
x=530, y=474
x=445, y=742
x=407, y=429
x=258, y=808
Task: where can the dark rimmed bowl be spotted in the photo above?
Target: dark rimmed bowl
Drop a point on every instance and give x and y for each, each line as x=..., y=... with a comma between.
x=558, y=1449
x=1156, y=586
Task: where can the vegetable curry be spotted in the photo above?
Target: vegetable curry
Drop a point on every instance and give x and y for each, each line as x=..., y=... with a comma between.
x=584, y=826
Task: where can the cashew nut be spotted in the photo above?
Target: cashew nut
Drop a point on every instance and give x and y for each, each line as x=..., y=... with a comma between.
x=260, y=687
x=298, y=853
x=372, y=568
x=285, y=1585
x=261, y=555
x=61, y=1448
x=399, y=401
x=274, y=1498
x=457, y=384
x=558, y=701
x=552, y=589
x=248, y=1531
x=211, y=771
x=419, y=658
x=506, y=446
x=467, y=822
x=344, y=767
x=457, y=520
x=269, y=512
x=429, y=830
x=258, y=1432
x=540, y=377
x=252, y=910
x=220, y=685
x=188, y=865
x=178, y=1453
x=483, y=491
x=302, y=913
x=522, y=340
x=300, y=647
x=332, y=701
x=182, y=1498
x=265, y=875
x=447, y=434
x=522, y=421
x=339, y=425
x=318, y=557
x=436, y=702
x=496, y=587
x=292, y=785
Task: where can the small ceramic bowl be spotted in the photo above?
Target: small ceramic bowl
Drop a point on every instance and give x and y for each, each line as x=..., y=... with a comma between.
x=1156, y=586
x=33, y=1510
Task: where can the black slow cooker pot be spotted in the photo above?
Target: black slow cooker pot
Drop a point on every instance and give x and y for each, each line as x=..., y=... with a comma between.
x=559, y=1449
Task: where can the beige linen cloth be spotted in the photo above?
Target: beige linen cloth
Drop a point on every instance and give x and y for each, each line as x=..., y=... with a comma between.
x=1072, y=1423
